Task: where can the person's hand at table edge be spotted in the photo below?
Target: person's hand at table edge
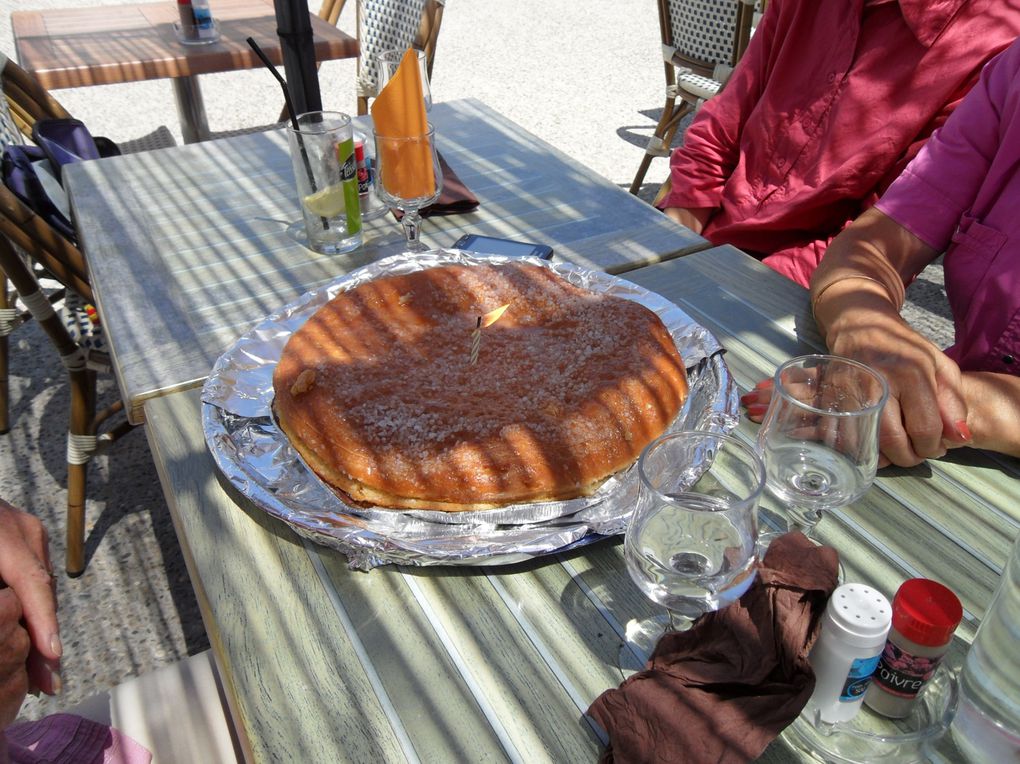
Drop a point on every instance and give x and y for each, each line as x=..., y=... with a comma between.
x=25, y=568
x=694, y=219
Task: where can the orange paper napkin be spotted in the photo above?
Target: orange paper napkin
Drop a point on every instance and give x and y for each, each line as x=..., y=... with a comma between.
x=399, y=112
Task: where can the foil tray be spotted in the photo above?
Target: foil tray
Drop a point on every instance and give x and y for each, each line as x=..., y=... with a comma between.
x=257, y=458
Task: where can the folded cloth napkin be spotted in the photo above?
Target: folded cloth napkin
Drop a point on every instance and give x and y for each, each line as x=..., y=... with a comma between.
x=723, y=690
x=70, y=739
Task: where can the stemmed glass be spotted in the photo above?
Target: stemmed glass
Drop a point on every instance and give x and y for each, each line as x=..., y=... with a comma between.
x=819, y=436
x=389, y=62
x=691, y=544
x=408, y=177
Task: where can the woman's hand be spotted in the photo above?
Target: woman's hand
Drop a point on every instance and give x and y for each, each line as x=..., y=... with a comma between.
x=14, y=648
x=927, y=408
x=25, y=569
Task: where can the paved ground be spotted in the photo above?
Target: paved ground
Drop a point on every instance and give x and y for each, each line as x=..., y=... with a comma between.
x=589, y=83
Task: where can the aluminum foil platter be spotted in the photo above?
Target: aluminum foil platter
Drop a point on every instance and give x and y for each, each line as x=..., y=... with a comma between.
x=257, y=458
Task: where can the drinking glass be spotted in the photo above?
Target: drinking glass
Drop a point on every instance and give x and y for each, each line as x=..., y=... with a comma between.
x=408, y=178
x=322, y=152
x=389, y=61
x=691, y=544
x=819, y=436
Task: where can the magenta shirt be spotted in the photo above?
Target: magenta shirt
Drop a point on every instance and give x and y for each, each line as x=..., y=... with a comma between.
x=961, y=195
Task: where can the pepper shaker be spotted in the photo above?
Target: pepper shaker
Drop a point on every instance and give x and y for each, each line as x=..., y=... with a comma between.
x=924, y=616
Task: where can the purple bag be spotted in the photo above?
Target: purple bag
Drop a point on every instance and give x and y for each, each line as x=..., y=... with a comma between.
x=58, y=142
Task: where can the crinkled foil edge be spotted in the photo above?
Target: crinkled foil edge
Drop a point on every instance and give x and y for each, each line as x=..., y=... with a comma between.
x=257, y=458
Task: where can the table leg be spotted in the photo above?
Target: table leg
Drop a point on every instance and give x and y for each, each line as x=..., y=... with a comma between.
x=190, y=109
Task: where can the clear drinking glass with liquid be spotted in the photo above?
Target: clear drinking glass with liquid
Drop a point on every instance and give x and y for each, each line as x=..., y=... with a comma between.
x=691, y=544
x=325, y=173
x=819, y=436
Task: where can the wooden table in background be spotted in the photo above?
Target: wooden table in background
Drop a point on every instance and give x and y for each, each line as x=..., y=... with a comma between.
x=187, y=247
x=321, y=663
x=108, y=44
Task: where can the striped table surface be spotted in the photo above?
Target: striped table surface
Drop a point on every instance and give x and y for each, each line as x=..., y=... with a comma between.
x=321, y=663
x=188, y=247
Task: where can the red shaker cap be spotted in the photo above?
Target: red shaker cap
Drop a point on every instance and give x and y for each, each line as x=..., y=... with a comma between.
x=926, y=612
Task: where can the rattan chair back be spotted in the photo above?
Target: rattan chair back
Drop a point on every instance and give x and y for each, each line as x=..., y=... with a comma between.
x=393, y=25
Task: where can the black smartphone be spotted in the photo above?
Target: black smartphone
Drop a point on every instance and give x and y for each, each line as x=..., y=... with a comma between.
x=489, y=245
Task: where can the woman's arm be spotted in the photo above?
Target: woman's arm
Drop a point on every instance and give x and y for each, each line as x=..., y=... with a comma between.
x=993, y=411
x=857, y=293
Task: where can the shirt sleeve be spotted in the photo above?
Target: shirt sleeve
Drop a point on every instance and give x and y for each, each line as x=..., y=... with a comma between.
x=700, y=168
x=943, y=180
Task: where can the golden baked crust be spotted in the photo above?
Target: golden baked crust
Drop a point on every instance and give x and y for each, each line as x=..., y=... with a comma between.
x=377, y=393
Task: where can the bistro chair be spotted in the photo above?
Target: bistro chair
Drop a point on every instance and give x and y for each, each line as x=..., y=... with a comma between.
x=387, y=25
x=28, y=246
x=381, y=25
x=30, y=251
x=702, y=40
x=24, y=103
x=28, y=102
x=393, y=25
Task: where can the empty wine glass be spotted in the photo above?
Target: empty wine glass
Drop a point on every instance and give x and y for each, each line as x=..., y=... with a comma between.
x=819, y=436
x=691, y=544
x=408, y=177
x=389, y=61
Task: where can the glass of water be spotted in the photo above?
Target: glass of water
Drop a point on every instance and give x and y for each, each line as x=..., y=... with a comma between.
x=692, y=542
x=819, y=436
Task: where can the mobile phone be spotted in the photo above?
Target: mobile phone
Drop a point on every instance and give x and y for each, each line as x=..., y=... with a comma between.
x=489, y=245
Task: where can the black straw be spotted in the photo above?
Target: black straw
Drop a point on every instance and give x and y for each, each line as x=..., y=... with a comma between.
x=279, y=78
x=293, y=117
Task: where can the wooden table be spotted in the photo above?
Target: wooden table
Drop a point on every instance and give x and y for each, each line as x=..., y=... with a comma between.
x=500, y=664
x=107, y=44
x=187, y=247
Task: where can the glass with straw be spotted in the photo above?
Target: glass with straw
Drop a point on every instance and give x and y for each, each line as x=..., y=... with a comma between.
x=325, y=173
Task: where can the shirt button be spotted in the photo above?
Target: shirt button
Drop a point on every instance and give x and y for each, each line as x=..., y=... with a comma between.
x=1007, y=359
x=831, y=77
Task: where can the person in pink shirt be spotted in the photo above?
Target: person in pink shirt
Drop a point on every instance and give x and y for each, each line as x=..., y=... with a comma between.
x=960, y=196
x=831, y=101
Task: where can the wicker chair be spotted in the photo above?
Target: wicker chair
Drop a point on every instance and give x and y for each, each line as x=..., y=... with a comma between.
x=388, y=25
x=702, y=40
x=22, y=233
x=381, y=25
x=31, y=249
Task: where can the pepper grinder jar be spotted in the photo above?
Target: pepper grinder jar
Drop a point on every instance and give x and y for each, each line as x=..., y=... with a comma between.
x=924, y=616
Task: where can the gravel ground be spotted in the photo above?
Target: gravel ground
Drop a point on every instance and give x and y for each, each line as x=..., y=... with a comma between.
x=590, y=85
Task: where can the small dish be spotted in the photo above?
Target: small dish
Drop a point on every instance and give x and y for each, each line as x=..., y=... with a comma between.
x=869, y=736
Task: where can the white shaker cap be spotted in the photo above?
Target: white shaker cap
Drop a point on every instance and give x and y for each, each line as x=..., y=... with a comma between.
x=860, y=614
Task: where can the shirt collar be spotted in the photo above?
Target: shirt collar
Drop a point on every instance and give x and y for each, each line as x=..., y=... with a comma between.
x=928, y=18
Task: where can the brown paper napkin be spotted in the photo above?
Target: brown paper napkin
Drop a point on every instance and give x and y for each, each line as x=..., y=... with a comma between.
x=722, y=691
x=454, y=197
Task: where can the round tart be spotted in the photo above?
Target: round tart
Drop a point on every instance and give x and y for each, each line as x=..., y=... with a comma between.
x=398, y=396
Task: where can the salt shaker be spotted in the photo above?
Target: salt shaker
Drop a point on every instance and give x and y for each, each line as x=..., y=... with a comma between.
x=853, y=633
x=924, y=616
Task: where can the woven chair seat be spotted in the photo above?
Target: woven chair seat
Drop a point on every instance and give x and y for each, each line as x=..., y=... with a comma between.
x=698, y=86
x=160, y=138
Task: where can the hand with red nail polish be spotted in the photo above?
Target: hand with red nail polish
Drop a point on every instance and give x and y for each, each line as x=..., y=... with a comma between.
x=756, y=401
